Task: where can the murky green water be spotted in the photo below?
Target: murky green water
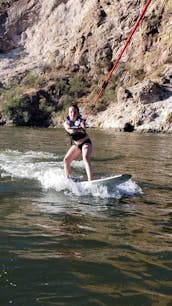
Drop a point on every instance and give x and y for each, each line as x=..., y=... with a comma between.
x=65, y=246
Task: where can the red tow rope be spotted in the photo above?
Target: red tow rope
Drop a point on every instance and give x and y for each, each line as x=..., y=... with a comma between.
x=105, y=83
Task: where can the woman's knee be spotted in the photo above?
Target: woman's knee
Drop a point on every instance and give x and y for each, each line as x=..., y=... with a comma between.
x=86, y=156
x=86, y=159
x=66, y=160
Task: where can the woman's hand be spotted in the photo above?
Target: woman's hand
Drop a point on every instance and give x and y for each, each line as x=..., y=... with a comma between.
x=76, y=129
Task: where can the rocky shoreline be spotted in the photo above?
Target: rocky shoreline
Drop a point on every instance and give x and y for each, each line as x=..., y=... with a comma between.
x=146, y=107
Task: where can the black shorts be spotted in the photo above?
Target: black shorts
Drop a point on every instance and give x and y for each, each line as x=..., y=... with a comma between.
x=86, y=141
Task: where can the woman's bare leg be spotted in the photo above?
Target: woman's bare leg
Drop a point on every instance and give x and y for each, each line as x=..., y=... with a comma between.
x=86, y=153
x=72, y=154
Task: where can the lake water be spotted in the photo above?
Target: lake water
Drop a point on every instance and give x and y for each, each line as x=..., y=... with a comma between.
x=64, y=245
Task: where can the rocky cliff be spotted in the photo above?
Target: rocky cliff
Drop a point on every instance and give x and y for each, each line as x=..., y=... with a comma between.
x=83, y=37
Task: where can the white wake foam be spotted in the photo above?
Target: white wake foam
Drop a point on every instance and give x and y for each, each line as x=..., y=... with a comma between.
x=47, y=169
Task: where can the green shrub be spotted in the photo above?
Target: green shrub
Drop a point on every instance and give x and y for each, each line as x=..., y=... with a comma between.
x=7, y=1
x=77, y=86
x=64, y=102
x=31, y=80
x=17, y=109
x=107, y=97
x=11, y=104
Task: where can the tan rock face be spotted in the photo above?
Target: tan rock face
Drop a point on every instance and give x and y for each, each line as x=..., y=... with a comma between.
x=87, y=33
x=87, y=36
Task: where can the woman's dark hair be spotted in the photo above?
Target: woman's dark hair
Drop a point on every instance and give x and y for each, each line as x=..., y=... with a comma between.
x=76, y=107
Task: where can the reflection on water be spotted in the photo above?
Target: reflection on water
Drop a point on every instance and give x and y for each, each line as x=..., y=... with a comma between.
x=63, y=248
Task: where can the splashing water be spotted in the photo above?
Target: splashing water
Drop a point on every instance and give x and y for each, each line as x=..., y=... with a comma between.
x=47, y=169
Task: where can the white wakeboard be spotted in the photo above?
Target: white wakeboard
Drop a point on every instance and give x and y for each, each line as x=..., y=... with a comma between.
x=109, y=182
